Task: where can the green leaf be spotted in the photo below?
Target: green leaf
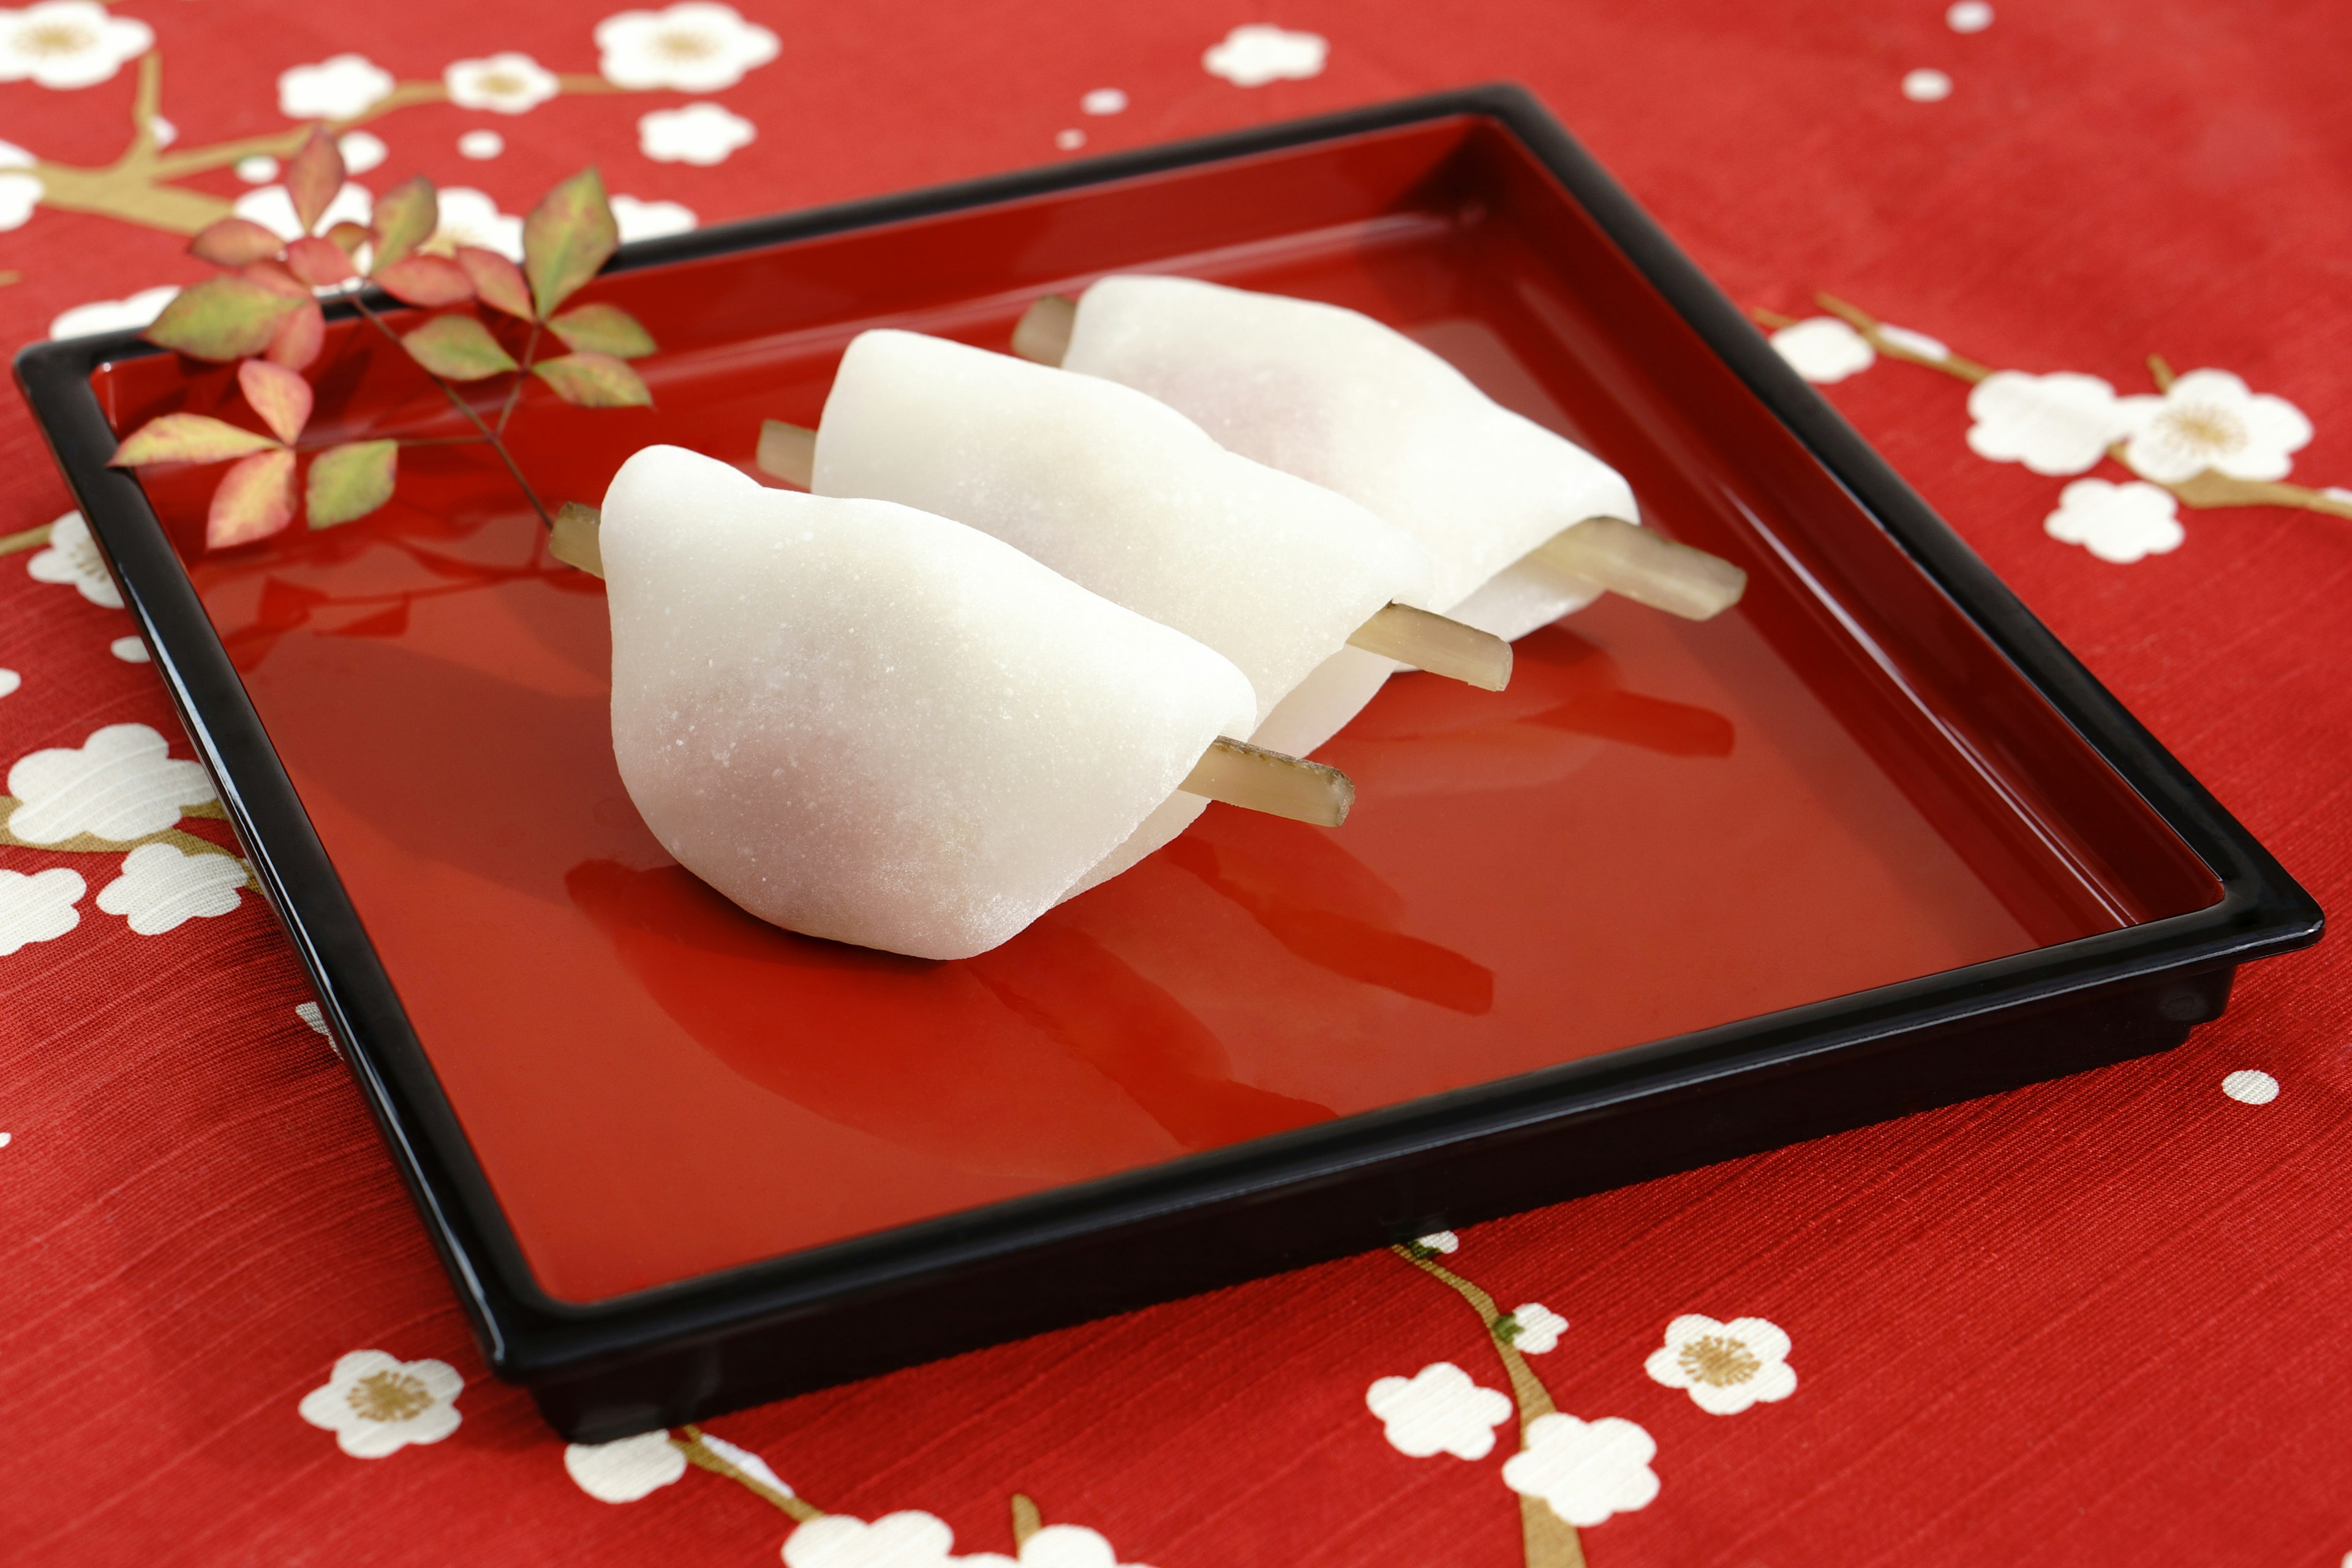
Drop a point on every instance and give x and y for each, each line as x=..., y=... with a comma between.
x=604, y=329
x=313, y=176
x=232, y=242
x=221, y=318
x=594, y=381
x=187, y=439
x=426, y=280
x=281, y=397
x=566, y=238
x=405, y=217
x=351, y=481
x=499, y=282
x=321, y=263
x=575, y=538
x=256, y=499
x=458, y=348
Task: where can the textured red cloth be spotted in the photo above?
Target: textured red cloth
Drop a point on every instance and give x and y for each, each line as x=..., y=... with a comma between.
x=2095, y=1322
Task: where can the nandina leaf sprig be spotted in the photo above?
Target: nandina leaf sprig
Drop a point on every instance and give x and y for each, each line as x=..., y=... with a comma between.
x=263, y=313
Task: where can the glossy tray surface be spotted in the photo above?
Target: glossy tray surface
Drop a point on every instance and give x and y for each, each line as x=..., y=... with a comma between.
x=1659, y=828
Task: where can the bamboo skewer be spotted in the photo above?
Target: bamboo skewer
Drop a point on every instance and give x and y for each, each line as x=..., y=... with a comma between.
x=1630, y=561
x=1231, y=771
x=1413, y=637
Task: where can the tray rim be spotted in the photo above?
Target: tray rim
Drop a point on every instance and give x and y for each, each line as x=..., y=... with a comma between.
x=525, y=1333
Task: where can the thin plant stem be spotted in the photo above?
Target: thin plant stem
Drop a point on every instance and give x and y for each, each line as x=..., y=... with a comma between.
x=465, y=408
x=514, y=393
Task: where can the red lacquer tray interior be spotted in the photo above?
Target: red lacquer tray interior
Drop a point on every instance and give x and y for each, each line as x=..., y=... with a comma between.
x=1660, y=828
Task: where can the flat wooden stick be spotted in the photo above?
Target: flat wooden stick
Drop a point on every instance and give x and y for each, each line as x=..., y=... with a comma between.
x=1255, y=779
x=1646, y=567
x=789, y=452
x=574, y=541
x=1043, y=333
x=1437, y=645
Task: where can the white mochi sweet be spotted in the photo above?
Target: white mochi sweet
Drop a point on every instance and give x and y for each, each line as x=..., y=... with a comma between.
x=1120, y=493
x=862, y=722
x=1331, y=395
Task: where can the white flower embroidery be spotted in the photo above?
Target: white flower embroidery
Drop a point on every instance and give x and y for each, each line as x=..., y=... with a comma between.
x=1256, y=54
x=161, y=888
x=625, y=1471
x=1927, y=85
x=71, y=556
x=509, y=83
x=130, y=650
x=1585, y=1470
x=470, y=217
x=68, y=43
x=38, y=908
x=2121, y=523
x=1438, y=1410
x=273, y=209
x=20, y=191
x=650, y=220
x=120, y=783
x=1968, y=17
x=2056, y=424
x=9, y=681
x=1823, y=349
x=258, y=170
x=695, y=47
x=361, y=151
x=907, y=1540
x=701, y=133
x=1439, y=1241
x=309, y=1014
x=375, y=1404
x=2250, y=1086
x=1919, y=343
x=337, y=88
x=1726, y=1368
x=1536, y=1328
x=1069, y=141
x=480, y=145
x=2209, y=420
x=1103, y=100
x=1068, y=1546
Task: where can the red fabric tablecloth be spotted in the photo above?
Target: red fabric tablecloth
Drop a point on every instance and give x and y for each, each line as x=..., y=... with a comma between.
x=2094, y=1321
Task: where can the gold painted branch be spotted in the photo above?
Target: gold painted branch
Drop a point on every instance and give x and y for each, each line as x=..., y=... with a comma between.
x=701, y=1455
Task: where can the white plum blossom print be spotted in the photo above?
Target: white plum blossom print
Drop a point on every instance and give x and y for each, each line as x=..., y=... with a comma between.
x=2057, y=423
x=162, y=889
x=1256, y=54
x=376, y=1404
x=258, y=170
x=9, y=681
x=361, y=151
x=1823, y=349
x=470, y=217
x=2122, y=523
x=1968, y=15
x=650, y=220
x=20, y=190
x=1438, y=1241
x=130, y=650
x=1103, y=100
x=911, y=1539
x=309, y=1014
x=480, y=145
x=2210, y=419
x=2251, y=1086
x=1909, y=342
x=68, y=43
x=1068, y=1546
x=700, y=133
x=273, y=209
x=628, y=1469
x=71, y=558
x=38, y=908
x=1534, y=1328
x=509, y=83
x=694, y=46
x=340, y=87
x=121, y=783
x=1585, y=1470
x=1724, y=1367
x=1927, y=85
x=1438, y=1410
x=113, y=316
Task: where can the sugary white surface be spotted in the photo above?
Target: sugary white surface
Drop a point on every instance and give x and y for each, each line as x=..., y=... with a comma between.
x=1320, y=706
x=1529, y=593
x=1118, y=492
x=865, y=722
x=1335, y=397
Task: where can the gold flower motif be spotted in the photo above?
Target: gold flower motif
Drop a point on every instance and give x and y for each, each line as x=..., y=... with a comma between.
x=389, y=1396
x=55, y=38
x=1718, y=1362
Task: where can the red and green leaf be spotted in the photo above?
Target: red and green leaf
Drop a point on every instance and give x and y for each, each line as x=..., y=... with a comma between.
x=499, y=282
x=594, y=381
x=298, y=338
x=425, y=280
x=232, y=242
x=187, y=439
x=604, y=329
x=313, y=176
x=405, y=217
x=566, y=238
x=458, y=348
x=347, y=237
x=321, y=263
x=281, y=397
x=256, y=499
x=351, y=481
x=273, y=277
x=222, y=318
